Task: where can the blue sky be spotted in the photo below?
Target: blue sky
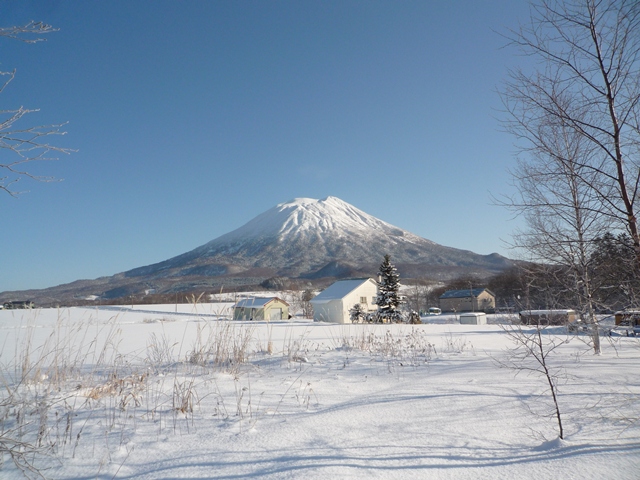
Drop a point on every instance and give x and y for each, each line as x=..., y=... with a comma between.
x=191, y=118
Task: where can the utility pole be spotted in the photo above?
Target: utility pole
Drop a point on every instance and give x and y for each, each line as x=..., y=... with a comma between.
x=473, y=309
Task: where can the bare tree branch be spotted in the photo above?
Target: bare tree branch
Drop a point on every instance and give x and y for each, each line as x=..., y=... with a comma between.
x=531, y=354
x=27, y=33
x=587, y=85
x=25, y=144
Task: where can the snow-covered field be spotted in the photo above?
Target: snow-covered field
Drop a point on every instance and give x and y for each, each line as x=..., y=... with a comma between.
x=166, y=392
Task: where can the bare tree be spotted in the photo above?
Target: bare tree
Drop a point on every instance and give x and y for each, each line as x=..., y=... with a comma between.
x=562, y=211
x=587, y=86
x=530, y=355
x=307, y=307
x=417, y=296
x=300, y=301
x=23, y=144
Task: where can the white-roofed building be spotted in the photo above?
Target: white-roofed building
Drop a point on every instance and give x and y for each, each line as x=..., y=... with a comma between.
x=333, y=303
x=548, y=317
x=258, y=308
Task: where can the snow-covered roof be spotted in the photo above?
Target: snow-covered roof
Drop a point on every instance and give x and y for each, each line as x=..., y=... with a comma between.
x=464, y=293
x=256, y=302
x=547, y=312
x=339, y=289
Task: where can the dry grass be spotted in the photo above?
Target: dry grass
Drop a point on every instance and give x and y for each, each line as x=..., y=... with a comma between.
x=128, y=388
x=410, y=348
x=78, y=369
x=221, y=344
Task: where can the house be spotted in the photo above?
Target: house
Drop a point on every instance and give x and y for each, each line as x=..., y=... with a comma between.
x=468, y=300
x=548, y=317
x=333, y=303
x=258, y=308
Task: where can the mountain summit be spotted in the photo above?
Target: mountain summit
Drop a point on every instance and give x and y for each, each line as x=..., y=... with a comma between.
x=311, y=238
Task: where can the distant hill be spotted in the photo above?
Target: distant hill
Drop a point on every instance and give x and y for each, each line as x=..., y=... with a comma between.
x=305, y=239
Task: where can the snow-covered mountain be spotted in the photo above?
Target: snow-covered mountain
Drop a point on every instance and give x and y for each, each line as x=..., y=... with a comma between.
x=311, y=238
x=303, y=239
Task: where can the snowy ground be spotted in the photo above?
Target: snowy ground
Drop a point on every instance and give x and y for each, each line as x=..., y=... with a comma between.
x=152, y=392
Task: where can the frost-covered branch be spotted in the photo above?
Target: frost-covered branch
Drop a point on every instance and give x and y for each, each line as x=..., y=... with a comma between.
x=22, y=145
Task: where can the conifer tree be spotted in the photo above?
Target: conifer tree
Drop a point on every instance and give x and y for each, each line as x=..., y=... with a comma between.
x=356, y=313
x=388, y=300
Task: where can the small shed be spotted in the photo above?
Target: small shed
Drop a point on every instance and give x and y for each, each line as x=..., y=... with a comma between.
x=468, y=300
x=473, y=318
x=333, y=303
x=627, y=317
x=548, y=317
x=258, y=308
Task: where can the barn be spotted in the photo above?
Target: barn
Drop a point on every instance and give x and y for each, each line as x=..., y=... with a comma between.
x=258, y=308
x=333, y=303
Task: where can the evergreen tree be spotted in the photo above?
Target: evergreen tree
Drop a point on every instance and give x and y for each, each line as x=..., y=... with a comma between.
x=614, y=272
x=388, y=300
x=357, y=313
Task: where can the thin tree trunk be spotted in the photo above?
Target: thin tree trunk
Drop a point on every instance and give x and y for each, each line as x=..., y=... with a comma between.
x=552, y=386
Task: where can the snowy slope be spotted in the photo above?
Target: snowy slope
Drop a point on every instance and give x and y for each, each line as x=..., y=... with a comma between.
x=306, y=217
x=117, y=393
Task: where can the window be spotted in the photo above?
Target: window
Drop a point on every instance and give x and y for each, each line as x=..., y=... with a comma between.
x=363, y=299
